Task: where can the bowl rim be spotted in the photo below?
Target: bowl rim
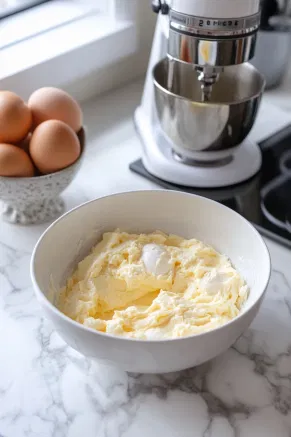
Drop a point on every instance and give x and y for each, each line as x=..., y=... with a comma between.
x=46, y=302
x=160, y=87
x=62, y=171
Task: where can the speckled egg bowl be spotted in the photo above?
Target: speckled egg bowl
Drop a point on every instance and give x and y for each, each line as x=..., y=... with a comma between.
x=35, y=200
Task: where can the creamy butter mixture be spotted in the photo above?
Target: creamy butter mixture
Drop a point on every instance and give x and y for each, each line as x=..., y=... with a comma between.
x=153, y=286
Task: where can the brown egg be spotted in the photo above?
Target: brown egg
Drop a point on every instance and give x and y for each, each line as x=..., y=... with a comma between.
x=55, y=104
x=24, y=144
x=54, y=146
x=15, y=118
x=14, y=162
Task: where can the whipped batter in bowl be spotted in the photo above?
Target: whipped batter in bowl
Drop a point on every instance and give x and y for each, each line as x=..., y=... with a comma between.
x=147, y=301
x=153, y=286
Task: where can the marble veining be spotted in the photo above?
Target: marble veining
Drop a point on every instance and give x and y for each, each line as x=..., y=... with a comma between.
x=49, y=390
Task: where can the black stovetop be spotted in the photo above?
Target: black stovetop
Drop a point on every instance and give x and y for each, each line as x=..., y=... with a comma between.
x=265, y=200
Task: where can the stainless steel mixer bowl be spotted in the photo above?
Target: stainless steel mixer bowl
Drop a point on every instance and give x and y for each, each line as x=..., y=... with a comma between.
x=195, y=126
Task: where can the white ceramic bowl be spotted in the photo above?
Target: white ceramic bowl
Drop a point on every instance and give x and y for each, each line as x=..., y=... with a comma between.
x=70, y=239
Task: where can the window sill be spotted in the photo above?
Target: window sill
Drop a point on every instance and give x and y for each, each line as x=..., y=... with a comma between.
x=66, y=54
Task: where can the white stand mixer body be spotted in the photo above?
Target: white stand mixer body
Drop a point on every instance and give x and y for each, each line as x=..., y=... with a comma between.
x=216, y=8
x=157, y=150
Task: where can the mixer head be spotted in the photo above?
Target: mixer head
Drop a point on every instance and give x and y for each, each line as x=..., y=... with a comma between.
x=211, y=35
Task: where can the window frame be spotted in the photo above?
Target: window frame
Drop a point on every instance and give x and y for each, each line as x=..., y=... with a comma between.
x=57, y=57
x=13, y=10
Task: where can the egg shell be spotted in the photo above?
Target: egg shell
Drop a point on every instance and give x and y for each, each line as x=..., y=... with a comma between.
x=14, y=162
x=24, y=144
x=15, y=118
x=55, y=104
x=54, y=146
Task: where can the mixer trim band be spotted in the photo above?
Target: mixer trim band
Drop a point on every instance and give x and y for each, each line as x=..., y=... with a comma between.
x=210, y=36
x=217, y=26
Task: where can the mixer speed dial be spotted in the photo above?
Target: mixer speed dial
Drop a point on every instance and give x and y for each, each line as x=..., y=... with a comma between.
x=214, y=27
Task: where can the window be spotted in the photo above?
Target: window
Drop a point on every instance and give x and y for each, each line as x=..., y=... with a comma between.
x=11, y=7
x=57, y=41
x=38, y=17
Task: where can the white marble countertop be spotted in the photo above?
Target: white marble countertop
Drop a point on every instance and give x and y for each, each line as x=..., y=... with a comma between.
x=49, y=390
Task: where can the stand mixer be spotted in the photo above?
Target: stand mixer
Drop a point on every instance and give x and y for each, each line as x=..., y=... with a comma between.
x=201, y=96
